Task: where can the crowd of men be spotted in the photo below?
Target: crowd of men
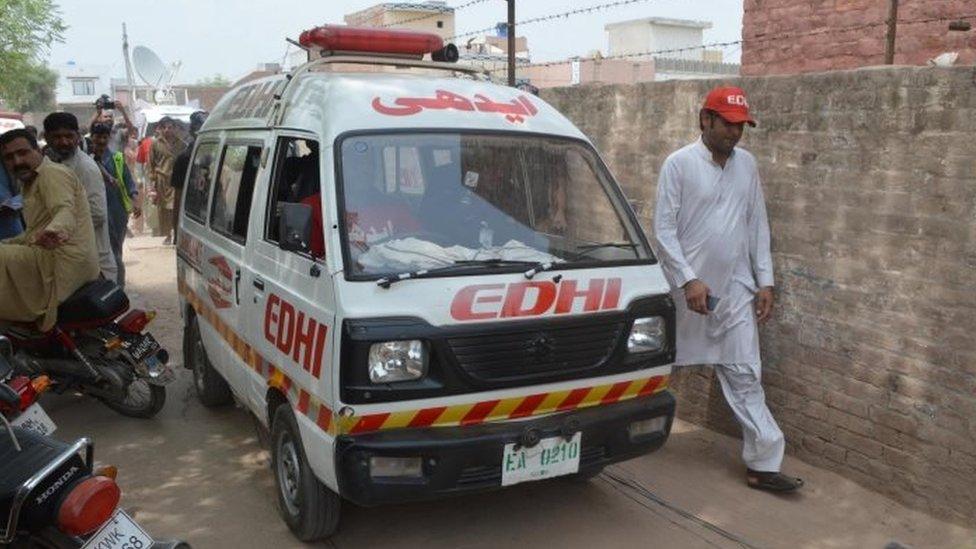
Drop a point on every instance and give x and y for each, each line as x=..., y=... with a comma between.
x=67, y=197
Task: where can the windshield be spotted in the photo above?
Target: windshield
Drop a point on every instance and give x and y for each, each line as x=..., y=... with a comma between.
x=422, y=201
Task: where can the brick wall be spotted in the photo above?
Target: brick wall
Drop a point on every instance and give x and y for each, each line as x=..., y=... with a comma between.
x=870, y=180
x=796, y=36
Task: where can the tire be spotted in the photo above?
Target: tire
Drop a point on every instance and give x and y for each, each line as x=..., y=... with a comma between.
x=148, y=403
x=309, y=509
x=212, y=389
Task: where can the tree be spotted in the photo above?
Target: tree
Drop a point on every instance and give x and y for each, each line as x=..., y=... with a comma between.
x=218, y=81
x=34, y=90
x=28, y=29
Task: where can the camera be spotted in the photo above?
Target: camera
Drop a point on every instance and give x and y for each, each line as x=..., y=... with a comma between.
x=104, y=103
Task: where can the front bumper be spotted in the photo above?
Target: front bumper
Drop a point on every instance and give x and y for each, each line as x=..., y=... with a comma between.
x=459, y=460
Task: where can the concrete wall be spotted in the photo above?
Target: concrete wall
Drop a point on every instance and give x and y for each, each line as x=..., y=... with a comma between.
x=796, y=36
x=870, y=180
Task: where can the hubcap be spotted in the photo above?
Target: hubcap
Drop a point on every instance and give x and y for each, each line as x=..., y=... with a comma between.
x=289, y=473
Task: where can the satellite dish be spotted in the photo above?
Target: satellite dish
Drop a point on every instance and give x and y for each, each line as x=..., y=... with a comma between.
x=151, y=68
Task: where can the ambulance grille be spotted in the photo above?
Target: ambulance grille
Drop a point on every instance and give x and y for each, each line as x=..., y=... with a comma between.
x=536, y=354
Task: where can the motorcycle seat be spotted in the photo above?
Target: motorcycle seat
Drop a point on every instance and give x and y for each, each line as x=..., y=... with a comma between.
x=94, y=304
x=37, y=451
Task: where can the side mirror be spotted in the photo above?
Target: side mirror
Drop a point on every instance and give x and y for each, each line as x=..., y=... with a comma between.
x=294, y=227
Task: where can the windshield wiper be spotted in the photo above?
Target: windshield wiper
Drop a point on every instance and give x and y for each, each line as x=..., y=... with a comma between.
x=460, y=265
x=587, y=248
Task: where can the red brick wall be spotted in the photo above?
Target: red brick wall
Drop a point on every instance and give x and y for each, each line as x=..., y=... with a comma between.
x=795, y=36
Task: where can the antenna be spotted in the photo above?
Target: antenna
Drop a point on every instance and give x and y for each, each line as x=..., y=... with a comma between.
x=154, y=72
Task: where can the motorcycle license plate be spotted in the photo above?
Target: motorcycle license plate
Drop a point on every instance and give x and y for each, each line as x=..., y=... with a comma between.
x=120, y=532
x=143, y=347
x=34, y=418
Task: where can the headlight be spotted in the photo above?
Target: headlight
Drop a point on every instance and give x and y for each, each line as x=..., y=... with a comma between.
x=397, y=361
x=648, y=335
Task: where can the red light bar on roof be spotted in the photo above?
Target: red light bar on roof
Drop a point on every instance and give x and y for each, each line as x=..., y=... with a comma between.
x=370, y=40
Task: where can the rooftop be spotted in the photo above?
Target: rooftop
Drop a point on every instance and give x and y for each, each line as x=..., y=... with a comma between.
x=661, y=22
x=431, y=7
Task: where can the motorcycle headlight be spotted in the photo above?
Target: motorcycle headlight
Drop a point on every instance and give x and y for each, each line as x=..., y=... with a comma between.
x=393, y=361
x=648, y=335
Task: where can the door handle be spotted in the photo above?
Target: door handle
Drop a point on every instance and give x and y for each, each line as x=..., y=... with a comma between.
x=259, y=283
x=237, y=286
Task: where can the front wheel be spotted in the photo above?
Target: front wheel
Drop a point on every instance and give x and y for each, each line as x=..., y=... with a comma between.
x=142, y=400
x=309, y=508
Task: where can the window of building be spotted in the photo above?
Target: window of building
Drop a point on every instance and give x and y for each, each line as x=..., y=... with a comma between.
x=233, y=191
x=440, y=24
x=199, y=182
x=83, y=87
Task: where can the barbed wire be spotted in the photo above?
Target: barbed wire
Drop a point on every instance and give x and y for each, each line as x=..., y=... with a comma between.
x=553, y=16
x=756, y=39
x=441, y=11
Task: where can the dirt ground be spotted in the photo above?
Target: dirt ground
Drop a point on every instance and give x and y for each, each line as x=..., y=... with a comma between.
x=202, y=475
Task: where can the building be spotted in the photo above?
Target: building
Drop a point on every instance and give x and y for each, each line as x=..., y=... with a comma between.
x=797, y=36
x=641, y=37
x=490, y=52
x=431, y=16
x=594, y=69
x=79, y=85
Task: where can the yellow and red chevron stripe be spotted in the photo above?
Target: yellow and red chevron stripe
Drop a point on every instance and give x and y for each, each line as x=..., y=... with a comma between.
x=440, y=416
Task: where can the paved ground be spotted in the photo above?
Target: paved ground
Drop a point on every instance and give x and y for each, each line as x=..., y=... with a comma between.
x=203, y=475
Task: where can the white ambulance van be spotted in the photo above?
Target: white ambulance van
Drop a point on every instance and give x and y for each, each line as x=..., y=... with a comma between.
x=423, y=283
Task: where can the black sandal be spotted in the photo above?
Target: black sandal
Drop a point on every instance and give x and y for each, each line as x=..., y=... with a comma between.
x=772, y=482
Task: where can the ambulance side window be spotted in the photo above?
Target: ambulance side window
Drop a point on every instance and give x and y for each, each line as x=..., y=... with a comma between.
x=233, y=191
x=199, y=182
x=296, y=181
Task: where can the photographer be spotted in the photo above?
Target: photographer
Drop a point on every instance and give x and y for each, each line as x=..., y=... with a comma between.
x=104, y=107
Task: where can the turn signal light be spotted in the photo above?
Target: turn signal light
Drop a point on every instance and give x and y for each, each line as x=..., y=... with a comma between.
x=88, y=506
x=41, y=384
x=109, y=471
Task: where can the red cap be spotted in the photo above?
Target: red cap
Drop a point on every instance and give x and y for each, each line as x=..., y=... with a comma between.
x=730, y=103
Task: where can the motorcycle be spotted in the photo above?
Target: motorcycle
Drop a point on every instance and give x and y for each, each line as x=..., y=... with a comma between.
x=98, y=347
x=51, y=497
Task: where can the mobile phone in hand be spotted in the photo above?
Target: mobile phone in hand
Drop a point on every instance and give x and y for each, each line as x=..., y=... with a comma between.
x=711, y=302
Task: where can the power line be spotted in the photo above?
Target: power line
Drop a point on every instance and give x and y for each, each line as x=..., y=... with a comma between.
x=758, y=39
x=439, y=11
x=553, y=16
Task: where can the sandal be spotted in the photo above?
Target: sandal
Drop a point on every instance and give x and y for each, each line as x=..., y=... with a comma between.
x=772, y=482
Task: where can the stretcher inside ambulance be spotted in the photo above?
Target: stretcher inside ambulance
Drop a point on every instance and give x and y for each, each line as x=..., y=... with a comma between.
x=422, y=282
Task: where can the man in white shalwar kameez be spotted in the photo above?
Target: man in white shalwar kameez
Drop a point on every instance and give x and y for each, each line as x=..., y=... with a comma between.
x=713, y=241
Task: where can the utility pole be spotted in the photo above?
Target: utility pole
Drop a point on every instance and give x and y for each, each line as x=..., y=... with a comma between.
x=128, y=69
x=892, y=28
x=511, y=42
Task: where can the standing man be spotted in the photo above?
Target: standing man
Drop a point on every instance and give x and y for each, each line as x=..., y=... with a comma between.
x=63, y=138
x=44, y=266
x=165, y=148
x=713, y=240
x=182, y=164
x=120, y=192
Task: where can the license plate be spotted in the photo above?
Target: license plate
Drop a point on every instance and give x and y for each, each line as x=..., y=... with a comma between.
x=143, y=347
x=552, y=457
x=120, y=532
x=34, y=418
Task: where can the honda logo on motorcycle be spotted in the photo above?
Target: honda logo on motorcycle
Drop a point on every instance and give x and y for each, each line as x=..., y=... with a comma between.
x=535, y=298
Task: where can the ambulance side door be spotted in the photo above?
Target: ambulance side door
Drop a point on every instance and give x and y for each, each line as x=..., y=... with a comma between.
x=223, y=261
x=291, y=309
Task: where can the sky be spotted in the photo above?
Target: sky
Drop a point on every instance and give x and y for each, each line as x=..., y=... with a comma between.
x=231, y=37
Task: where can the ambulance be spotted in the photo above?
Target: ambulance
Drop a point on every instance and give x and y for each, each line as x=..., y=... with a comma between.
x=424, y=284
